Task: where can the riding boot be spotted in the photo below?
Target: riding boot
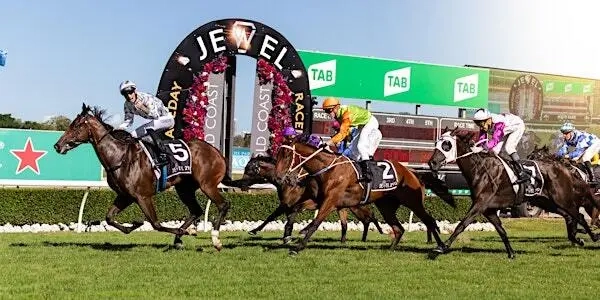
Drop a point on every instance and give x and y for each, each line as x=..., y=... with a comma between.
x=522, y=175
x=367, y=176
x=161, y=159
x=590, y=170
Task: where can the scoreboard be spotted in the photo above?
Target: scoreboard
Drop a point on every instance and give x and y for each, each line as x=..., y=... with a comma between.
x=408, y=139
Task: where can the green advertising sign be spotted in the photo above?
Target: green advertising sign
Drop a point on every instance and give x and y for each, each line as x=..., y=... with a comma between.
x=29, y=155
x=398, y=81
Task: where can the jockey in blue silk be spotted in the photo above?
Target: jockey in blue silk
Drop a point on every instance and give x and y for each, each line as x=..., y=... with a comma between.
x=344, y=146
x=290, y=134
x=586, y=146
x=507, y=130
x=149, y=107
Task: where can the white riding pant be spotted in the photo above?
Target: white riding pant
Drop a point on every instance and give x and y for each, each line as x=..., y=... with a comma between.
x=366, y=142
x=511, y=141
x=161, y=124
x=589, y=153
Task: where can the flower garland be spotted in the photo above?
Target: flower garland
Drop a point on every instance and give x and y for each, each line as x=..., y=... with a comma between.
x=194, y=112
x=279, y=117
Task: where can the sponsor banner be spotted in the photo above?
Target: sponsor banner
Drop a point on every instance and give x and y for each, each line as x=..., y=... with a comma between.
x=357, y=77
x=261, y=108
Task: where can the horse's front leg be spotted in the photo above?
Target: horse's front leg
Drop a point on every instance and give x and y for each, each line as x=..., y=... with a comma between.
x=119, y=204
x=146, y=204
x=278, y=212
x=327, y=208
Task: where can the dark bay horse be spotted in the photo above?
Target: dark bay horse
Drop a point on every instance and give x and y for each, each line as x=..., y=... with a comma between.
x=339, y=188
x=492, y=189
x=297, y=198
x=586, y=197
x=130, y=173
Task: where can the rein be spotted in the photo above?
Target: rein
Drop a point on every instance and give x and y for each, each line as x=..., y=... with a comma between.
x=292, y=168
x=113, y=168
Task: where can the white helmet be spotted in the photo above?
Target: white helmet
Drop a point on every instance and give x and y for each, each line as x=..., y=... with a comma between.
x=567, y=127
x=481, y=115
x=126, y=85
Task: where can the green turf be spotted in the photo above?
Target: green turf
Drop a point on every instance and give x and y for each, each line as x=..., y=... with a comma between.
x=140, y=266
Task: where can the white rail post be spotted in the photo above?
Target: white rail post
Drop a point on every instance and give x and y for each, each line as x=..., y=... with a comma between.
x=81, y=206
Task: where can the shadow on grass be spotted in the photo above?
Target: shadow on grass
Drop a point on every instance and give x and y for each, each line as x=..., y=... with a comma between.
x=96, y=246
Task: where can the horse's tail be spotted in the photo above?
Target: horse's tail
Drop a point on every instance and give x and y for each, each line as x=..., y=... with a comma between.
x=437, y=186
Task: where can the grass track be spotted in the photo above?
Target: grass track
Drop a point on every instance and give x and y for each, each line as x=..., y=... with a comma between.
x=140, y=266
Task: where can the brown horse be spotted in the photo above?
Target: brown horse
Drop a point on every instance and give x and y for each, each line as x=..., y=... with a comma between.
x=492, y=189
x=586, y=197
x=131, y=176
x=339, y=188
x=297, y=198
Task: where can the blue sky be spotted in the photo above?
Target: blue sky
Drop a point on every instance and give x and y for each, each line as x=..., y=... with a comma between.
x=61, y=53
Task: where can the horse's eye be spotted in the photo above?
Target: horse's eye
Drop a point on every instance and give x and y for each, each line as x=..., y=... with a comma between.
x=446, y=146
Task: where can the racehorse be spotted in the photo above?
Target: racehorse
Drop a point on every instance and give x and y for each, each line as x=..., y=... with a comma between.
x=492, y=189
x=297, y=198
x=131, y=176
x=586, y=194
x=339, y=187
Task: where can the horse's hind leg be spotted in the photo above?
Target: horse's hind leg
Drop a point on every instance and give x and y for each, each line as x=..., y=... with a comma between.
x=388, y=208
x=432, y=229
x=491, y=215
x=212, y=191
x=119, y=204
x=344, y=223
x=366, y=216
x=187, y=193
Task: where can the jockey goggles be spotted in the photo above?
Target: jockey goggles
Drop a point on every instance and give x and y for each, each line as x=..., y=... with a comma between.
x=127, y=91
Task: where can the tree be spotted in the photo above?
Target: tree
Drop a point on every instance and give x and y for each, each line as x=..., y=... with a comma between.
x=60, y=123
x=8, y=121
x=242, y=140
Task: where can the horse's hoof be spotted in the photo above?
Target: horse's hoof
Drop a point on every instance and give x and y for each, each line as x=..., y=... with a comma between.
x=595, y=238
x=199, y=249
x=219, y=247
x=433, y=254
x=343, y=241
x=252, y=232
x=287, y=240
x=178, y=246
x=511, y=255
x=293, y=252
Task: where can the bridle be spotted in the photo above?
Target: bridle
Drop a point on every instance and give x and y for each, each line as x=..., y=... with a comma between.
x=97, y=142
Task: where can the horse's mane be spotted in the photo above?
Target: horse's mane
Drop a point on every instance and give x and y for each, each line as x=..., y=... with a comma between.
x=264, y=158
x=119, y=134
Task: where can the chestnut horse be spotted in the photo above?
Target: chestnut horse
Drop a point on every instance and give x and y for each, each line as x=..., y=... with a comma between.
x=339, y=188
x=295, y=199
x=131, y=176
x=586, y=194
x=492, y=189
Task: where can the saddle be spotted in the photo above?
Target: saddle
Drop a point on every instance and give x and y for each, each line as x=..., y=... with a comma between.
x=384, y=177
x=534, y=186
x=178, y=159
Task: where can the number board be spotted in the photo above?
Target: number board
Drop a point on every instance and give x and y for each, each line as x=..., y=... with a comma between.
x=407, y=127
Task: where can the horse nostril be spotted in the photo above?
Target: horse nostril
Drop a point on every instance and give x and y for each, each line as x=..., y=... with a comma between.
x=56, y=147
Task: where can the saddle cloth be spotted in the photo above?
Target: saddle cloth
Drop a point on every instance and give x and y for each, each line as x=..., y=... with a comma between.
x=536, y=182
x=178, y=156
x=385, y=177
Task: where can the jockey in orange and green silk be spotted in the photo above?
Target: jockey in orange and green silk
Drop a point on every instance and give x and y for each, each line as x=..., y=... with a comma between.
x=364, y=146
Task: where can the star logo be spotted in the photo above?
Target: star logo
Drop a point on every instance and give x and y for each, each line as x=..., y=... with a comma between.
x=28, y=157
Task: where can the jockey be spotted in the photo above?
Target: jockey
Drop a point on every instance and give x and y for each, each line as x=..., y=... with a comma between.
x=343, y=146
x=290, y=135
x=146, y=106
x=368, y=132
x=586, y=146
x=507, y=132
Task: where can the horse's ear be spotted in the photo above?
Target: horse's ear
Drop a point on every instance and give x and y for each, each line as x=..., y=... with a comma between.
x=83, y=106
x=454, y=130
x=445, y=129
